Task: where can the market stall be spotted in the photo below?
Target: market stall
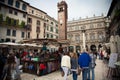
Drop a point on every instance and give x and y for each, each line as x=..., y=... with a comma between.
x=42, y=62
x=40, y=67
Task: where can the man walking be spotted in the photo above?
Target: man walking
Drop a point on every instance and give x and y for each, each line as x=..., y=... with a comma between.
x=84, y=61
x=92, y=64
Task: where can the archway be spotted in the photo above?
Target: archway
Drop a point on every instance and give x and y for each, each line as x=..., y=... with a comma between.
x=87, y=48
x=99, y=46
x=71, y=48
x=93, y=48
x=78, y=48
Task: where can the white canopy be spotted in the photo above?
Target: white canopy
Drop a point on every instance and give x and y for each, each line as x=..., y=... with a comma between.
x=10, y=44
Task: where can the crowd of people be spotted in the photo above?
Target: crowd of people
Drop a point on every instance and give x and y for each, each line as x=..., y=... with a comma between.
x=11, y=62
x=86, y=61
x=70, y=62
x=9, y=65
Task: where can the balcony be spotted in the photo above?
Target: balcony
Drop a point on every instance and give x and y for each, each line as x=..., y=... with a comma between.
x=28, y=27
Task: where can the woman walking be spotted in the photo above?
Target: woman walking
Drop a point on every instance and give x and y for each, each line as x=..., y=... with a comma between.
x=74, y=65
x=92, y=64
x=65, y=64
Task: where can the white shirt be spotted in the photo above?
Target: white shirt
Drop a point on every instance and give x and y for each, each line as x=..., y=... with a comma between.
x=66, y=61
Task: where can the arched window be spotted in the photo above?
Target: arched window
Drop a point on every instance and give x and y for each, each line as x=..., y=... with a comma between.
x=83, y=27
x=91, y=26
x=92, y=36
x=24, y=7
x=100, y=34
x=70, y=36
x=76, y=27
x=77, y=37
x=38, y=22
x=99, y=24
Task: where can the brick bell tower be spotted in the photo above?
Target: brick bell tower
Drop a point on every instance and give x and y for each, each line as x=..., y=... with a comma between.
x=62, y=20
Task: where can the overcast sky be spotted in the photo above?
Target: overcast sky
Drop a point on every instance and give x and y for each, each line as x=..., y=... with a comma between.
x=76, y=8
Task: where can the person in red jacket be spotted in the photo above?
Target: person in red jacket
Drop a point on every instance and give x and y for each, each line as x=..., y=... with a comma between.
x=42, y=68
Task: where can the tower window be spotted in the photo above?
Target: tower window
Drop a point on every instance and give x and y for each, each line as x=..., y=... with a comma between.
x=60, y=9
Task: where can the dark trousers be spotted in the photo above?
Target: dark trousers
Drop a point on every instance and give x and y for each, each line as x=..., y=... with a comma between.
x=74, y=75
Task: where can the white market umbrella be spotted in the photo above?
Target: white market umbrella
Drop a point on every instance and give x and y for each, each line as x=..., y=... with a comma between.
x=10, y=44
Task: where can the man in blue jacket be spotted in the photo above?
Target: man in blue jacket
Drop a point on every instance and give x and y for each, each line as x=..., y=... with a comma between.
x=84, y=61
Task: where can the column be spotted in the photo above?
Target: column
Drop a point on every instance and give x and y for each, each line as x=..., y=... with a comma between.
x=84, y=40
x=84, y=44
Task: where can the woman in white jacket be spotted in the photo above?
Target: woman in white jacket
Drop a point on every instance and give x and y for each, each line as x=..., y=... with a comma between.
x=65, y=64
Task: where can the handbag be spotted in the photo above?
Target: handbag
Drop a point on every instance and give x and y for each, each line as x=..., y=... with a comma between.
x=14, y=74
x=78, y=71
x=62, y=73
x=69, y=72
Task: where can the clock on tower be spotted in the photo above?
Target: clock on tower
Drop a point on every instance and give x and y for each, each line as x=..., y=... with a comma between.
x=62, y=19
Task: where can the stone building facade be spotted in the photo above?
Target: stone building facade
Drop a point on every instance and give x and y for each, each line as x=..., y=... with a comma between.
x=113, y=32
x=13, y=18
x=51, y=30
x=95, y=32
x=19, y=20
x=36, y=22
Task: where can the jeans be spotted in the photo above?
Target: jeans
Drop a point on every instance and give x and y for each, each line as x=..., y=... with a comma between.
x=74, y=75
x=85, y=74
x=93, y=74
x=65, y=69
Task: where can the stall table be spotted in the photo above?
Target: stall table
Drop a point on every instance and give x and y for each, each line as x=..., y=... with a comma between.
x=33, y=67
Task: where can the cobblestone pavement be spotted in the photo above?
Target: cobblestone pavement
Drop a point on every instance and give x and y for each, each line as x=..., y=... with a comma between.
x=100, y=74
